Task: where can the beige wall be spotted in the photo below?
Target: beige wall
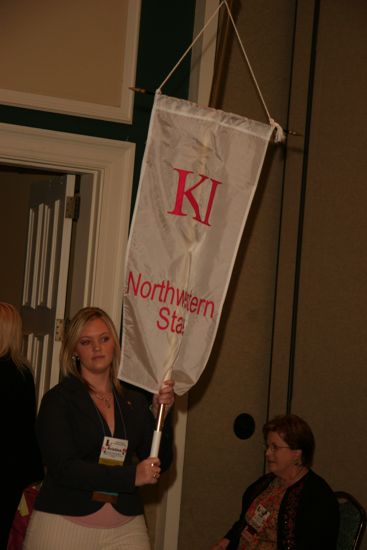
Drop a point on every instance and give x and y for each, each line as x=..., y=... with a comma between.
x=70, y=57
x=331, y=343
x=51, y=63
x=330, y=382
x=318, y=305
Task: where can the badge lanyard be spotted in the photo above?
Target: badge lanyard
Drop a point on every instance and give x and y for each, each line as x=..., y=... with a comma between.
x=113, y=452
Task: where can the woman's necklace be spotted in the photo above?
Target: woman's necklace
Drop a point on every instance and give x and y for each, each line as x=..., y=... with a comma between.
x=106, y=398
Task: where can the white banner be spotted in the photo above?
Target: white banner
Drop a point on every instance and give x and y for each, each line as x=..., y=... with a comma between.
x=199, y=175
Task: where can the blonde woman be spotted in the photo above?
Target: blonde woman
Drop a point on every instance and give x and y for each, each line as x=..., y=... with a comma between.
x=95, y=436
x=20, y=457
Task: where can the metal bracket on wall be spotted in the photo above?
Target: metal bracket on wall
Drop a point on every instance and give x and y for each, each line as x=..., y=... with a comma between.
x=72, y=207
x=59, y=329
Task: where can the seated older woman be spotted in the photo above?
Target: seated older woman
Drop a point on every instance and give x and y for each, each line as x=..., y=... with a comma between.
x=291, y=507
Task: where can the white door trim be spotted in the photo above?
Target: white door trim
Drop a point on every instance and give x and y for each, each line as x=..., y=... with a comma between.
x=111, y=165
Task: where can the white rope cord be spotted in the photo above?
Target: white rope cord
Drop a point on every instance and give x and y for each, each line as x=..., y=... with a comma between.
x=248, y=62
x=279, y=133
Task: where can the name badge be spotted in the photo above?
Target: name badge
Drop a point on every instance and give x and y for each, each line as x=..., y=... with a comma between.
x=260, y=516
x=113, y=453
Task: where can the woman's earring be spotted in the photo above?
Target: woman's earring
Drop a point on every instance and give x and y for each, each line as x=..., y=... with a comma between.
x=75, y=359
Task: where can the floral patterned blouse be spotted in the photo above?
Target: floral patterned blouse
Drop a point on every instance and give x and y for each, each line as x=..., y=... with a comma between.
x=260, y=532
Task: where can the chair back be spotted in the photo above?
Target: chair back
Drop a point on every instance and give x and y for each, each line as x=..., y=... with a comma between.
x=352, y=522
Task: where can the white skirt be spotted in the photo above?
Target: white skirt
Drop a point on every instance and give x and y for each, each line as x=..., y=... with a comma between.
x=54, y=532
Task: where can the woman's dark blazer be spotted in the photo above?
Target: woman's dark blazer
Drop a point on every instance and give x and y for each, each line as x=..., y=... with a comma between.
x=20, y=458
x=70, y=431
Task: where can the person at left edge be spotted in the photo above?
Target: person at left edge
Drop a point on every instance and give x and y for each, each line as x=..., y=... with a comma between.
x=20, y=456
x=90, y=496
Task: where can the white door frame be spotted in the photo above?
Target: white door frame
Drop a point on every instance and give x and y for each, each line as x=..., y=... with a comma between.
x=110, y=163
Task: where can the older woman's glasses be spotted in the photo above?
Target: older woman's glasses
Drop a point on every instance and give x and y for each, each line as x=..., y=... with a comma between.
x=274, y=448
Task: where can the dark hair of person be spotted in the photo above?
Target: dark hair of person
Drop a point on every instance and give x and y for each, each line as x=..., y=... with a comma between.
x=296, y=433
